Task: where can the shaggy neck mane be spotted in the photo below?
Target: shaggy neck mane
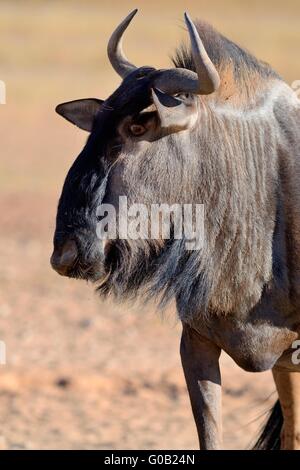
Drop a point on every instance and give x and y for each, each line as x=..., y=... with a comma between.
x=241, y=73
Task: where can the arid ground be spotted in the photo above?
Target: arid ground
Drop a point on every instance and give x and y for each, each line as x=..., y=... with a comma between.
x=80, y=373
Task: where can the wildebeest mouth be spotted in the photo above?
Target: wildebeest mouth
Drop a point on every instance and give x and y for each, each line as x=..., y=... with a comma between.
x=92, y=273
x=68, y=260
x=98, y=270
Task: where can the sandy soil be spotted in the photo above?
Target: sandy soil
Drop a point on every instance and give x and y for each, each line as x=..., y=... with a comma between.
x=80, y=373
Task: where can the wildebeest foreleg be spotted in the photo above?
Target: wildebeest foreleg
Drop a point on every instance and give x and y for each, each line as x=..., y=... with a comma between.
x=288, y=387
x=200, y=361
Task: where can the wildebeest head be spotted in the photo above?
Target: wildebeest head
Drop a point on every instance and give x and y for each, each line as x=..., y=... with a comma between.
x=136, y=137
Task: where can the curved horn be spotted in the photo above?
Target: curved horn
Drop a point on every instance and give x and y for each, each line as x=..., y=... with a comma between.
x=115, y=51
x=206, y=80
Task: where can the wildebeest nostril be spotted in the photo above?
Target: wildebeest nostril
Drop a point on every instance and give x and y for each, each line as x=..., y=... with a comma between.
x=63, y=258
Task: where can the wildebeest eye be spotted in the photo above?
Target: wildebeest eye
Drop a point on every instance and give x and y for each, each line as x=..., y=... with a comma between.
x=137, y=129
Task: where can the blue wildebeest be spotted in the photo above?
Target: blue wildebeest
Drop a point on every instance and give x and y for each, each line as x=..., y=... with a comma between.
x=219, y=128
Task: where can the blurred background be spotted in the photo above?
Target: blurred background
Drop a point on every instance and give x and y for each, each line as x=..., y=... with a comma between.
x=80, y=373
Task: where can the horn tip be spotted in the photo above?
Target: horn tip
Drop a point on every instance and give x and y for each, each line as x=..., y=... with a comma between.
x=187, y=17
x=133, y=12
x=189, y=22
x=129, y=17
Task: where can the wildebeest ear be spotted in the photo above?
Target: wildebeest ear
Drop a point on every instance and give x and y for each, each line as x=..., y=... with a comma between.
x=174, y=113
x=80, y=112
